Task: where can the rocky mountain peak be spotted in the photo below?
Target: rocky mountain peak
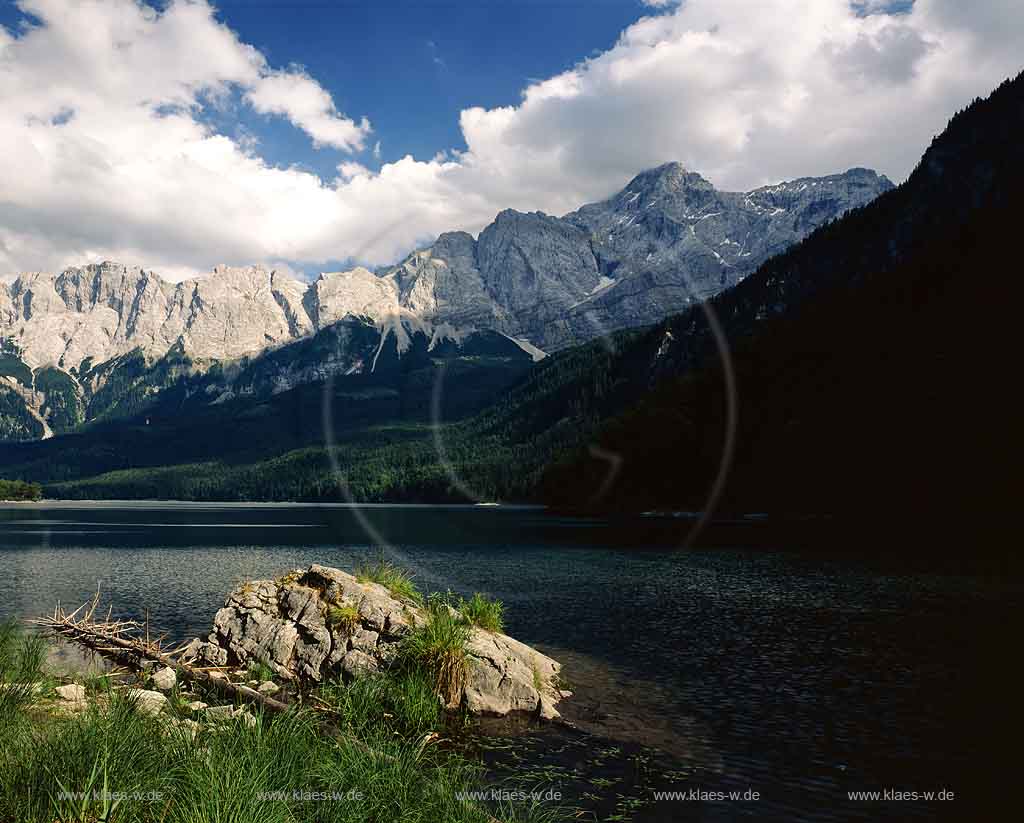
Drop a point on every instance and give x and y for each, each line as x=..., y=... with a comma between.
x=454, y=244
x=512, y=220
x=668, y=178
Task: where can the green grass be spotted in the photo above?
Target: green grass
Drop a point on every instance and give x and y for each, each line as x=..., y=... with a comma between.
x=483, y=612
x=374, y=761
x=344, y=618
x=382, y=706
x=395, y=580
x=438, y=649
x=260, y=671
x=21, y=670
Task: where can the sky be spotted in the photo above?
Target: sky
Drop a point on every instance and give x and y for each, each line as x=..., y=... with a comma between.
x=308, y=136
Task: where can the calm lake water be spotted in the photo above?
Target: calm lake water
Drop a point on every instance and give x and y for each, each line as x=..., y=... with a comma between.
x=798, y=677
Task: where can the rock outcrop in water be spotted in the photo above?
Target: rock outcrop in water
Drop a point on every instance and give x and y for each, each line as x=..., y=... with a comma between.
x=287, y=625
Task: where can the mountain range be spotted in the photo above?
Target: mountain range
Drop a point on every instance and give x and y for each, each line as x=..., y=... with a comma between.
x=873, y=363
x=102, y=341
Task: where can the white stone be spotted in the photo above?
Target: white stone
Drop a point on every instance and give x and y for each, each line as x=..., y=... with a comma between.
x=148, y=702
x=165, y=679
x=72, y=691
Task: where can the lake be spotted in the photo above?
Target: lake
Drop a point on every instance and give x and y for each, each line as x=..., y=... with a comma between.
x=799, y=676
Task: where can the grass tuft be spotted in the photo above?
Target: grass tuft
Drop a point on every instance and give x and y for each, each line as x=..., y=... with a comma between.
x=438, y=650
x=344, y=618
x=385, y=705
x=395, y=580
x=258, y=670
x=483, y=612
x=21, y=670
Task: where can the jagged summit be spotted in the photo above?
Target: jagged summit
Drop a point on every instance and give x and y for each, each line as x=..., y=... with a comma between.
x=666, y=178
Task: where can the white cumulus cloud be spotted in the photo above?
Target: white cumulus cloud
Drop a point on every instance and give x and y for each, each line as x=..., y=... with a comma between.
x=309, y=107
x=104, y=152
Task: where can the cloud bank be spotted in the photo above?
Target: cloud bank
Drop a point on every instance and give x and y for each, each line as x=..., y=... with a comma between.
x=105, y=153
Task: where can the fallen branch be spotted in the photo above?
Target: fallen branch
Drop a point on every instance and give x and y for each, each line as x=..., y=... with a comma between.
x=120, y=640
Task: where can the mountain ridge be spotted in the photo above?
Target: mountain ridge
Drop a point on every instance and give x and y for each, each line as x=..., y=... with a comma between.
x=541, y=281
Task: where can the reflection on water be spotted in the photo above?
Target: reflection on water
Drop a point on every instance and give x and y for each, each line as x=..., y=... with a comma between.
x=802, y=678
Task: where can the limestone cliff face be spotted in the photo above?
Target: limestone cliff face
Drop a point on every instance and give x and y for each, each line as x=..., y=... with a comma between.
x=101, y=311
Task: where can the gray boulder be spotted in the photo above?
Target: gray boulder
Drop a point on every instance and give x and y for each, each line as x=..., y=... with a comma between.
x=165, y=679
x=295, y=626
x=146, y=701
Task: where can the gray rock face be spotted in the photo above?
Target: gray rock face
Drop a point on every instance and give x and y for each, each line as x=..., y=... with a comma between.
x=665, y=241
x=287, y=624
x=532, y=261
x=670, y=238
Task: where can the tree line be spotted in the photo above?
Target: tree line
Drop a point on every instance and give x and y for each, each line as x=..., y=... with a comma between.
x=20, y=490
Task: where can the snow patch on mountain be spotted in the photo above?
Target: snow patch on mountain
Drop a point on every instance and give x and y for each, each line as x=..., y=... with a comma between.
x=529, y=348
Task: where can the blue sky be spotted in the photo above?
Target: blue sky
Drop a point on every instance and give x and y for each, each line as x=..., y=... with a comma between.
x=411, y=66
x=180, y=135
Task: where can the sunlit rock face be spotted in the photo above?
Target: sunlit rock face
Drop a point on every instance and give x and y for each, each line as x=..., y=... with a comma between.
x=102, y=311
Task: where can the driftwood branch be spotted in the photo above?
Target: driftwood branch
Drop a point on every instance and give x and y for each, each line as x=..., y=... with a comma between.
x=127, y=642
